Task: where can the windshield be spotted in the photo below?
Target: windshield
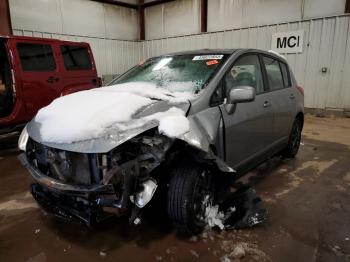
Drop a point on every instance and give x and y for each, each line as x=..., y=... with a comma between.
x=182, y=73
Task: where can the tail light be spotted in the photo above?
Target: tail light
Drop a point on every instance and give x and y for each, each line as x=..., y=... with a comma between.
x=300, y=89
x=99, y=81
x=14, y=91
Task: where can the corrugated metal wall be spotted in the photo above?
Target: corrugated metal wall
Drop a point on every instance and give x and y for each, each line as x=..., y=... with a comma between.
x=112, y=56
x=326, y=44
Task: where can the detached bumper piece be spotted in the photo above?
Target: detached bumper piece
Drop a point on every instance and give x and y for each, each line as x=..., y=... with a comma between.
x=71, y=208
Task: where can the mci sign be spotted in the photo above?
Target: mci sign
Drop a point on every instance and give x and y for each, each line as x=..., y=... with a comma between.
x=288, y=42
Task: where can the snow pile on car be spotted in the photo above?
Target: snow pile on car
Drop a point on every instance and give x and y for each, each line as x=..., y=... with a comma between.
x=88, y=114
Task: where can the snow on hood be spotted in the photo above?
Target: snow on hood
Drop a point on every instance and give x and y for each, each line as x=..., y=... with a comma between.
x=91, y=114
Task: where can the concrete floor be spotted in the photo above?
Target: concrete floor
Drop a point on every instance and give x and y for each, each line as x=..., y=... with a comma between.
x=307, y=199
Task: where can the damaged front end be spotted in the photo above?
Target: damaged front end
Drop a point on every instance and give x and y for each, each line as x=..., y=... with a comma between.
x=89, y=187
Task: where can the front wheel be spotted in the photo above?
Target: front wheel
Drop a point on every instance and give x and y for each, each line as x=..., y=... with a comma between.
x=190, y=193
x=294, y=140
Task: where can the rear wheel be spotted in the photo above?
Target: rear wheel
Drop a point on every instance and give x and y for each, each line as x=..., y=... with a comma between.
x=294, y=140
x=190, y=193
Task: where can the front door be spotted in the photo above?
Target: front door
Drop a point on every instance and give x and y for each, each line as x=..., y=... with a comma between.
x=39, y=72
x=248, y=129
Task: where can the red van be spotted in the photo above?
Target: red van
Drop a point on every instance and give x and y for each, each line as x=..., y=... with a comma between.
x=35, y=71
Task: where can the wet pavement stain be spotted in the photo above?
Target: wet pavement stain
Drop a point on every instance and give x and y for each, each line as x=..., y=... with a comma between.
x=307, y=199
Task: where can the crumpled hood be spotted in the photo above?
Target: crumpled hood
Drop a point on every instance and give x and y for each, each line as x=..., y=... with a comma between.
x=99, y=119
x=115, y=135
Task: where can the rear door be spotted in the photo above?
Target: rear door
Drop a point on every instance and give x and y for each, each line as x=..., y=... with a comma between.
x=281, y=96
x=39, y=73
x=78, y=67
x=248, y=129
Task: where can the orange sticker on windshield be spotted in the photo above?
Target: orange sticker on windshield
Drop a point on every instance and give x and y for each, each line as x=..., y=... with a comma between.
x=212, y=62
x=141, y=62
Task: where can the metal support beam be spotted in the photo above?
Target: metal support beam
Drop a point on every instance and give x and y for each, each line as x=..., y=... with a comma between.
x=118, y=3
x=141, y=19
x=204, y=16
x=144, y=5
x=156, y=2
x=5, y=18
x=347, y=6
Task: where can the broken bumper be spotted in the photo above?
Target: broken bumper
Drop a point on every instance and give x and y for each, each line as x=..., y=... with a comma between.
x=55, y=184
x=83, y=204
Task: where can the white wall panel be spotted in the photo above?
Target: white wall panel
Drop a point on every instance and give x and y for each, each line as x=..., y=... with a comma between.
x=230, y=14
x=319, y=8
x=172, y=19
x=326, y=44
x=75, y=17
x=121, y=23
x=36, y=15
x=81, y=17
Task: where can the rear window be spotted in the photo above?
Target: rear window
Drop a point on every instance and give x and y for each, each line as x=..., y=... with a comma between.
x=75, y=57
x=274, y=74
x=36, y=57
x=286, y=77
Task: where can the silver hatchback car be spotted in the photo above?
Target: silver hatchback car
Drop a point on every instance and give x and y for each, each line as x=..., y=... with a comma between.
x=183, y=126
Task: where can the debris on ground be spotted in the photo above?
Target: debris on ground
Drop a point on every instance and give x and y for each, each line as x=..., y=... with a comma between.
x=194, y=253
x=241, y=209
x=240, y=250
x=37, y=231
x=103, y=254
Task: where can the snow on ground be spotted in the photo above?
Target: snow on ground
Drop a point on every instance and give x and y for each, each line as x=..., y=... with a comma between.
x=214, y=217
x=88, y=114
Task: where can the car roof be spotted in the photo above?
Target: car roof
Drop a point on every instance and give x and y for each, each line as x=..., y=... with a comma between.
x=205, y=52
x=31, y=38
x=224, y=52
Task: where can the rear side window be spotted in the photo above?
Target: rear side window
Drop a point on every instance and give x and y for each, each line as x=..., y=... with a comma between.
x=274, y=74
x=36, y=57
x=285, y=73
x=75, y=57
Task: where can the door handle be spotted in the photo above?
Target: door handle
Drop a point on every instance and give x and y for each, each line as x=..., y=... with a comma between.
x=52, y=79
x=292, y=96
x=267, y=104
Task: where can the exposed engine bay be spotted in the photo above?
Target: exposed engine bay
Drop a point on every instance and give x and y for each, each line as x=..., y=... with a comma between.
x=122, y=178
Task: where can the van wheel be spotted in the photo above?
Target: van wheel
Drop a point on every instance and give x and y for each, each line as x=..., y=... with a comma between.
x=294, y=140
x=190, y=192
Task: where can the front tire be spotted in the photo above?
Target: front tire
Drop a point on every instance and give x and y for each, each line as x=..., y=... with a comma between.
x=294, y=140
x=190, y=192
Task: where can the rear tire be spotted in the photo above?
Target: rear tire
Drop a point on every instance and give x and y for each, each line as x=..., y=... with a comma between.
x=190, y=191
x=294, y=140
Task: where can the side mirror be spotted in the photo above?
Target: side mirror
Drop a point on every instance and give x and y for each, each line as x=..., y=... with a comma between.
x=241, y=94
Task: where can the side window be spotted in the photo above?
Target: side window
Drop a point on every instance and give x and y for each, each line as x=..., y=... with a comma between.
x=75, y=57
x=274, y=74
x=36, y=57
x=285, y=73
x=246, y=71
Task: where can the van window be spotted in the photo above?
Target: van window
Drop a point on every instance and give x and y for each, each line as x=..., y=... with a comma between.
x=286, y=77
x=36, y=57
x=75, y=57
x=274, y=74
x=245, y=72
